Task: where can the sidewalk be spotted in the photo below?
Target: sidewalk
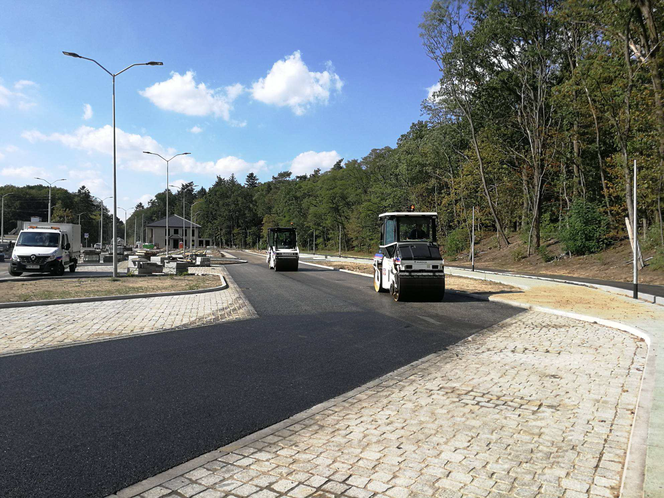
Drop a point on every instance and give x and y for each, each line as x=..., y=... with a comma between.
x=540, y=405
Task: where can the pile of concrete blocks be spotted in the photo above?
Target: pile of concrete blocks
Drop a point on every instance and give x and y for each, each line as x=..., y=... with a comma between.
x=158, y=259
x=91, y=256
x=202, y=261
x=145, y=268
x=176, y=267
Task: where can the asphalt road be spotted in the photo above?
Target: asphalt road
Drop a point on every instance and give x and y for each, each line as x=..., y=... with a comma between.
x=92, y=419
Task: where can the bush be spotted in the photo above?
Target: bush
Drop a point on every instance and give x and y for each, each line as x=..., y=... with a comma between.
x=457, y=241
x=586, y=229
x=518, y=254
x=544, y=253
x=657, y=262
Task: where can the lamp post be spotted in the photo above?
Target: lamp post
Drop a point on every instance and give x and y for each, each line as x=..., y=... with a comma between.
x=101, y=229
x=184, y=218
x=167, y=191
x=191, y=223
x=2, y=218
x=115, y=192
x=125, y=224
x=50, y=185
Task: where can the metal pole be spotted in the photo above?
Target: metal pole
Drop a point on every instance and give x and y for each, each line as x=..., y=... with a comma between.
x=142, y=233
x=339, y=239
x=168, y=193
x=101, y=229
x=115, y=195
x=635, y=242
x=472, y=249
x=314, y=241
x=135, y=229
x=49, y=202
x=184, y=214
x=2, y=223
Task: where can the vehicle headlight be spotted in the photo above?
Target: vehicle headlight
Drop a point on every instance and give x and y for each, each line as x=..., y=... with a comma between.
x=14, y=257
x=51, y=257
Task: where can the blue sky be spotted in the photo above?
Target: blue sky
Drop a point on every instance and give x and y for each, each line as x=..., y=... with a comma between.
x=257, y=86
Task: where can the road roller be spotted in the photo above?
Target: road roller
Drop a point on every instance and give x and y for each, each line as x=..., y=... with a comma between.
x=282, y=251
x=408, y=264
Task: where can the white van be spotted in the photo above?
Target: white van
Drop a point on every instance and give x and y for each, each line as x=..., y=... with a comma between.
x=44, y=248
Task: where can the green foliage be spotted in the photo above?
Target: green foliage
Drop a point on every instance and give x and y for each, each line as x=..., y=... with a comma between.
x=657, y=262
x=586, y=229
x=545, y=254
x=456, y=242
x=518, y=253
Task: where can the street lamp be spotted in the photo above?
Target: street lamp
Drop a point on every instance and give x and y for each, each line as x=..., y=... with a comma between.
x=167, y=191
x=50, y=185
x=101, y=229
x=115, y=192
x=2, y=217
x=191, y=223
x=125, y=224
x=184, y=217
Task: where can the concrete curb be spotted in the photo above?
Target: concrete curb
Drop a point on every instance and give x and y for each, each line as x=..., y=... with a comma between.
x=78, y=300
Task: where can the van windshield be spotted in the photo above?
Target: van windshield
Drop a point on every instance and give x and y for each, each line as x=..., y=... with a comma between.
x=38, y=239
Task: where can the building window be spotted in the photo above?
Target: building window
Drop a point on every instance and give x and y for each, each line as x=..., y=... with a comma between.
x=175, y=231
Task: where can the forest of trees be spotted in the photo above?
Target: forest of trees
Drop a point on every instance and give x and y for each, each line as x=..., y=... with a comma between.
x=542, y=108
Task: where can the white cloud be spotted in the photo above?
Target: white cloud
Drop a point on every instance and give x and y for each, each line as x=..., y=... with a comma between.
x=290, y=83
x=196, y=129
x=24, y=172
x=225, y=166
x=130, y=152
x=130, y=146
x=92, y=179
x=2, y=156
x=145, y=199
x=307, y=162
x=182, y=94
x=87, y=111
x=24, y=83
x=11, y=148
x=9, y=98
x=433, y=89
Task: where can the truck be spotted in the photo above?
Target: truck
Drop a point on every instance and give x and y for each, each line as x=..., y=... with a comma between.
x=282, y=251
x=46, y=248
x=408, y=263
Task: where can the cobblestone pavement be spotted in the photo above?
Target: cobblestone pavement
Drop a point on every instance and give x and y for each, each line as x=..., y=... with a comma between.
x=56, y=325
x=539, y=405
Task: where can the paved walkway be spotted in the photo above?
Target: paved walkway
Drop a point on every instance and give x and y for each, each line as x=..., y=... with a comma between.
x=26, y=329
x=536, y=406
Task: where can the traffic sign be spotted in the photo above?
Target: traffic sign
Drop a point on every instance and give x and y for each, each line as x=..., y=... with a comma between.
x=86, y=235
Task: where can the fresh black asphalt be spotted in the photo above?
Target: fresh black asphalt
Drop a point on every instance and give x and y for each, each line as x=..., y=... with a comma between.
x=92, y=419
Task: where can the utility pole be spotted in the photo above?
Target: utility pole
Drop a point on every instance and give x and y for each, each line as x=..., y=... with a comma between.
x=635, y=242
x=135, y=230
x=142, y=233
x=314, y=241
x=339, y=239
x=2, y=223
x=472, y=243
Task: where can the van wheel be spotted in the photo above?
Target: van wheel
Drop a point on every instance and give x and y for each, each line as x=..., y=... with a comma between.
x=15, y=273
x=59, y=270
